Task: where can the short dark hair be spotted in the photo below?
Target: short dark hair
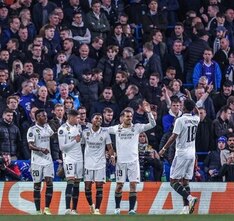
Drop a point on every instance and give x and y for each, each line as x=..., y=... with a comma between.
x=95, y=114
x=7, y=110
x=72, y=112
x=37, y=112
x=225, y=108
x=189, y=105
x=230, y=135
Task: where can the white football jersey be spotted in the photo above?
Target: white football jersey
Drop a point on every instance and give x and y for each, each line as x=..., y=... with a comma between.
x=70, y=148
x=41, y=138
x=95, y=146
x=186, y=128
x=127, y=139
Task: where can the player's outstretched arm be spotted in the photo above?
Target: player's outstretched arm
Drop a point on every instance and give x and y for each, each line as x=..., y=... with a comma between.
x=170, y=141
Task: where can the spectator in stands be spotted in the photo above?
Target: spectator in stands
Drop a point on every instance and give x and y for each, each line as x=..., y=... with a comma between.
x=108, y=119
x=23, y=39
x=50, y=41
x=220, y=33
x=173, y=113
x=212, y=22
x=96, y=48
x=6, y=88
x=109, y=11
x=229, y=25
x=25, y=153
x=176, y=87
x=97, y=21
x=26, y=97
x=41, y=11
x=178, y=34
x=130, y=60
x=4, y=59
x=228, y=74
x=83, y=62
x=222, y=55
x=120, y=86
x=131, y=97
x=41, y=102
x=177, y=59
x=203, y=99
x=204, y=141
x=227, y=170
x=151, y=61
x=17, y=70
x=105, y=100
x=209, y=68
x=222, y=125
x=139, y=78
x=160, y=48
x=151, y=157
x=110, y=64
x=47, y=75
x=4, y=15
x=52, y=89
x=55, y=123
x=72, y=7
x=170, y=76
x=195, y=52
x=12, y=103
x=63, y=94
x=38, y=60
x=10, y=138
x=83, y=121
x=152, y=91
x=79, y=30
x=118, y=38
x=212, y=163
x=11, y=31
x=26, y=22
x=221, y=98
x=88, y=89
x=153, y=19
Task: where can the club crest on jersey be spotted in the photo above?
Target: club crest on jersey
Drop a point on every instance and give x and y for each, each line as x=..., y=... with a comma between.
x=132, y=130
x=61, y=132
x=88, y=134
x=68, y=128
x=101, y=138
x=30, y=134
x=38, y=131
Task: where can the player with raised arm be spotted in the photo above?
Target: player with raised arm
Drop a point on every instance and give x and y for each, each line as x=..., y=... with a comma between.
x=127, y=166
x=42, y=166
x=96, y=139
x=69, y=135
x=184, y=133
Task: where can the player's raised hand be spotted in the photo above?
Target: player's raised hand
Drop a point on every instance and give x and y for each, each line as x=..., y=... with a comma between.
x=45, y=151
x=146, y=106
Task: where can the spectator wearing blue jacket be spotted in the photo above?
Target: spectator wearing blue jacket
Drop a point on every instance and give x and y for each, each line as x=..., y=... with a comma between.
x=209, y=68
x=63, y=94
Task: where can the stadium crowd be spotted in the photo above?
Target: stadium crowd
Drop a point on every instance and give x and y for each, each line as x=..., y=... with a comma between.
x=104, y=56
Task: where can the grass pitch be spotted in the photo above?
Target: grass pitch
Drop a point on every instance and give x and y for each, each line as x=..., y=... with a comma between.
x=119, y=218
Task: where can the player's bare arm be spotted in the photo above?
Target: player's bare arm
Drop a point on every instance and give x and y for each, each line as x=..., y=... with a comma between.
x=170, y=141
x=32, y=146
x=111, y=153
